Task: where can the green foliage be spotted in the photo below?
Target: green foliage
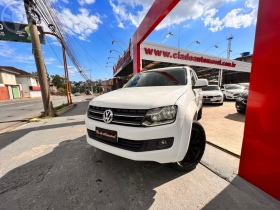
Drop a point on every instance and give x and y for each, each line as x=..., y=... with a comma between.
x=60, y=107
x=57, y=81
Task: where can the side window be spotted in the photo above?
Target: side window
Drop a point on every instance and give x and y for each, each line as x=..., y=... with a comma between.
x=193, y=77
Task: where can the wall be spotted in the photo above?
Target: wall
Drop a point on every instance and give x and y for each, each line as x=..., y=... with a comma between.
x=35, y=94
x=33, y=82
x=25, y=86
x=8, y=79
x=4, y=94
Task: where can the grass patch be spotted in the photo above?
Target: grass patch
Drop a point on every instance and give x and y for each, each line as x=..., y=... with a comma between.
x=60, y=107
x=45, y=117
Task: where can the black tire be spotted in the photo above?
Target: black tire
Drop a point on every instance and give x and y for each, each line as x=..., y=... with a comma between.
x=195, y=150
x=199, y=115
x=221, y=104
x=240, y=111
x=225, y=97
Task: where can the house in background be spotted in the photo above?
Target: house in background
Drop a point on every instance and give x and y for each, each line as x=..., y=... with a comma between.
x=53, y=88
x=9, y=88
x=28, y=83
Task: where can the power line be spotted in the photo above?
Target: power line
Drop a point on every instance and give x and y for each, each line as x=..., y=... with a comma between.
x=54, y=52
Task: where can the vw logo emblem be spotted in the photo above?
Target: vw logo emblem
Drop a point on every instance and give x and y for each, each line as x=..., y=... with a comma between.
x=108, y=116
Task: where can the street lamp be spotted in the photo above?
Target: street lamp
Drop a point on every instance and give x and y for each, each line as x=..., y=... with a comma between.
x=112, y=57
x=211, y=47
x=223, y=52
x=197, y=42
x=110, y=62
x=119, y=42
x=115, y=51
x=169, y=33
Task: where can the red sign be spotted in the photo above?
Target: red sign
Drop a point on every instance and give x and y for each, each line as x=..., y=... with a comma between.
x=123, y=59
x=201, y=59
x=34, y=87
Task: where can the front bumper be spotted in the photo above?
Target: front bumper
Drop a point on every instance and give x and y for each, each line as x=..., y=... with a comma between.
x=214, y=100
x=137, y=134
x=240, y=105
x=231, y=96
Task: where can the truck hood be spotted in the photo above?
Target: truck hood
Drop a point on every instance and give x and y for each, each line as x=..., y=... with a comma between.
x=212, y=93
x=235, y=90
x=140, y=97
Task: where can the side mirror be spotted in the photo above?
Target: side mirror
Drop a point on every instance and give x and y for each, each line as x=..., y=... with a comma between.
x=201, y=83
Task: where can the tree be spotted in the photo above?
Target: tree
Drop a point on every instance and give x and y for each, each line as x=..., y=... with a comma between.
x=57, y=80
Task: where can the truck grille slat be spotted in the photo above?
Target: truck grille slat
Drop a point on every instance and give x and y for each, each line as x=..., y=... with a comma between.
x=128, y=117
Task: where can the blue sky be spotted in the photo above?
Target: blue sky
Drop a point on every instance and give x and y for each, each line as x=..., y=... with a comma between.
x=209, y=21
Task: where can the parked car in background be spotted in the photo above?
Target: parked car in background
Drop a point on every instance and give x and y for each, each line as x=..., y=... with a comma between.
x=154, y=118
x=245, y=84
x=231, y=91
x=241, y=102
x=77, y=94
x=212, y=94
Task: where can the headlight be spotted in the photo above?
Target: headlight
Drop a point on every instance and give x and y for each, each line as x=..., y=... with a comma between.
x=218, y=96
x=160, y=116
x=229, y=92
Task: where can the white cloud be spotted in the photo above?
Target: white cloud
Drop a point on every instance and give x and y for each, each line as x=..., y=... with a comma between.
x=83, y=2
x=80, y=25
x=133, y=12
x=236, y=18
x=121, y=25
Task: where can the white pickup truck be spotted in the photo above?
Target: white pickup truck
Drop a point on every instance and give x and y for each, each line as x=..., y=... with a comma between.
x=154, y=118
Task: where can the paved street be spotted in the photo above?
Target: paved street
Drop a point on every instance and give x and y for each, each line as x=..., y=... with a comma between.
x=14, y=112
x=49, y=165
x=224, y=126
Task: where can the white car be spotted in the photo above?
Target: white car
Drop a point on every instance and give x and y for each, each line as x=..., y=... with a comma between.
x=232, y=91
x=245, y=84
x=152, y=118
x=212, y=94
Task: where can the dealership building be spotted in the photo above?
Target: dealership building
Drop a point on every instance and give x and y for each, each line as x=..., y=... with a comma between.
x=206, y=66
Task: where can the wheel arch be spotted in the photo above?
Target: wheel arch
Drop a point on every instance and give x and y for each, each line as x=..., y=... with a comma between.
x=188, y=119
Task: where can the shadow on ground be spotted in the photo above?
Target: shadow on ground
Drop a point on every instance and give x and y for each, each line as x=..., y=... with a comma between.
x=80, y=109
x=240, y=194
x=236, y=117
x=78, y=176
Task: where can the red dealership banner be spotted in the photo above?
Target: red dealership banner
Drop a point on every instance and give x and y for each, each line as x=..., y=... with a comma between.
x=123, y=60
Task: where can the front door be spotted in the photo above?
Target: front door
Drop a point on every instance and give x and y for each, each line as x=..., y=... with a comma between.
x=15, y=91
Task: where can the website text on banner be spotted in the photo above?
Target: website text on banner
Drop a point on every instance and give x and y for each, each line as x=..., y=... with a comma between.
x=180, y=56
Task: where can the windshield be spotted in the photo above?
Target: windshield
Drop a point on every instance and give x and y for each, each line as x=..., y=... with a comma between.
x=232, y=87
x=245, y=84
x=165, y=77
x=209, y=88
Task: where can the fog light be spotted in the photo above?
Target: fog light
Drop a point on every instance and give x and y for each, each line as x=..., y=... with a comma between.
x=162, y=143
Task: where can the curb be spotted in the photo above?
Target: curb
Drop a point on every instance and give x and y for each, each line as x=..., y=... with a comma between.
x=65, y=109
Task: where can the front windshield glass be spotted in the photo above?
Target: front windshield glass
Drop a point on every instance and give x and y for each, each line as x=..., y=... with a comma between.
x=209, y=88
x=166, y=77
x=232, y=87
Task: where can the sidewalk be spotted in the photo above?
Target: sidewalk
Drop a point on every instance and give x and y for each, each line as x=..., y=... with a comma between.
x=49, y=165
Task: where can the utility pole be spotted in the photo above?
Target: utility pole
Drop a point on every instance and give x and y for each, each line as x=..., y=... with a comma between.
x=228, y=56
x=91, y=81
x=39, y=59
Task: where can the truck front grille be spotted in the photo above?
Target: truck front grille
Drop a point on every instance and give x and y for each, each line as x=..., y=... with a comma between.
x=128, y=117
